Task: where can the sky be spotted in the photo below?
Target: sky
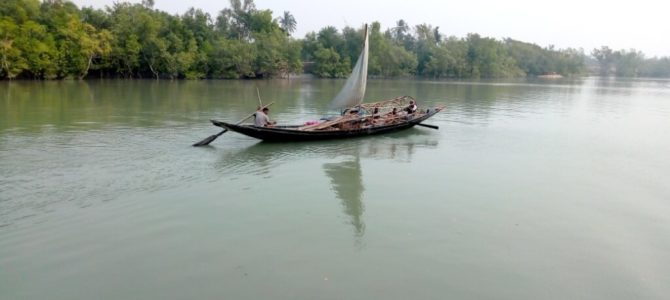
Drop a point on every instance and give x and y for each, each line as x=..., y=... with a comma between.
x=641, y=24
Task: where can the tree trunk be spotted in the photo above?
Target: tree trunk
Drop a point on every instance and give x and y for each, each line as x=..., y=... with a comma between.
x=3, y=65
x=151, y=67
x=90, y=59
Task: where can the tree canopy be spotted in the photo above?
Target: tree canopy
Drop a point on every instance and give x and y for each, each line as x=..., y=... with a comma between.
x=55, y=39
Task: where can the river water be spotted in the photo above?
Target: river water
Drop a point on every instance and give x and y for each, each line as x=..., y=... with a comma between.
x=529, y=190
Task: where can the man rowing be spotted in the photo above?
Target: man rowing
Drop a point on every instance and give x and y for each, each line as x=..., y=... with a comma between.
x=261, y=118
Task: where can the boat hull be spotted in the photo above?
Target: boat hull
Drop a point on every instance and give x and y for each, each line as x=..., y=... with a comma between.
x=292, y=134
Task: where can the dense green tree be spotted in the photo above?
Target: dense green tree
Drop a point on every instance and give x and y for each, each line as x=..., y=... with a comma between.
x=232, y=59
x=99, y=18
x=327, y=50
x=353, y=42
x=329, y=37
x=628, y=63
x=388, y=59
x=377, y=46
x=534, y=60
x=329, y=64
x=439, y=64
x=621, y=63
x=656, y=67
x=236, y=19
x=39, y=50
x=487, y=58
x=293, y=54
x=309, y=46
x=458, y=49
x=570, y=62
x=425, y=46
x=199, y=24
x=55, y=39
x=126, y=45
x=605, y=57
x=12, y=62
x=20, y=11
x=531, y=58
x=270, y=45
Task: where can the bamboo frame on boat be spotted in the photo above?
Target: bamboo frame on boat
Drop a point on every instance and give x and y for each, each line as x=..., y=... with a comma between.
x=384, y=116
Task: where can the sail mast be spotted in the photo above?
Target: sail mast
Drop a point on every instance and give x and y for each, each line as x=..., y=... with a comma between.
x=353, y=91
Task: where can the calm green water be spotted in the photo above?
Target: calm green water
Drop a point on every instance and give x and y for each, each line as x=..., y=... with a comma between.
x=529, y=190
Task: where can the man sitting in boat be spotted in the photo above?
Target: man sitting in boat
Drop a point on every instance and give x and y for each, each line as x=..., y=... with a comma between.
x=411, y=108
x=375, y=113
x=261, y=118
x=356, y=110
x=393, y=113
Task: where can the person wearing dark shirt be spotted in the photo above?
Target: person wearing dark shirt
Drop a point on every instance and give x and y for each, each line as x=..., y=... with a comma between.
x=411, y=108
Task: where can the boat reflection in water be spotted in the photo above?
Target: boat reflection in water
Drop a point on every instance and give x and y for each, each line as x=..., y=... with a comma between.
x=346, y=181
x=345, y=174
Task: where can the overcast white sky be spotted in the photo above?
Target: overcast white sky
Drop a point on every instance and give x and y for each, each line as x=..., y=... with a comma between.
x=641, y=24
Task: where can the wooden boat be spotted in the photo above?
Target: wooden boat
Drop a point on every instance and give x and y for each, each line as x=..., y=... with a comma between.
x=368, y=119
x=362, y=123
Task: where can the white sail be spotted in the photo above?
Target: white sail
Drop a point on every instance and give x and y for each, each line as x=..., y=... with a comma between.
x=353, y=90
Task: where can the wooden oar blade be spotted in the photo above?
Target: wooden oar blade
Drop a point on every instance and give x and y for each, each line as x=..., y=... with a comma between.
x=209, y=139
x=206, y=141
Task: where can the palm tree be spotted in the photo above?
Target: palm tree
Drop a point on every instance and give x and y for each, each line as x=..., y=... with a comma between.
x=287, y=22
x=148, y=3
x=400, y=30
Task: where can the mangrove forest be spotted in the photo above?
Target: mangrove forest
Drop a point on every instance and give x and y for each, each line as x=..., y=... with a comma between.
x=55, y=39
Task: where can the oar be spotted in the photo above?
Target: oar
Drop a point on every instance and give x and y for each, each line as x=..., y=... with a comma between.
x=259, y=97
x=213, y=137
x=427, y=125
